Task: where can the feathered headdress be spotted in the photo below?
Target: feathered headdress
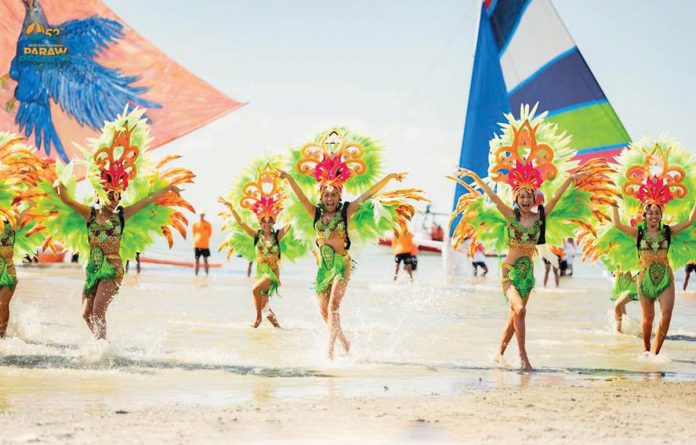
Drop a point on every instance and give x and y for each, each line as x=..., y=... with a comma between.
x=116, y=162
x=525, y=162
x=655, y=181
x=333, y=160
x=264, y=196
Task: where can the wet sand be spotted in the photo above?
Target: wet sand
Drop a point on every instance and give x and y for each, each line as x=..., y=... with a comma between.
x=606, y=412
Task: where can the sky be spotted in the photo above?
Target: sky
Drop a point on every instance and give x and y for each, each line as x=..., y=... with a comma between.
x=396, y=70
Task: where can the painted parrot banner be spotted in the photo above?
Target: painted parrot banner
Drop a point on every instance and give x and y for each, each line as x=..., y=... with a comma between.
x=66, y=67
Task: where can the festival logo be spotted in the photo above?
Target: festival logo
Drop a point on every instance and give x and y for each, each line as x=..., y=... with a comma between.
x=43, y=45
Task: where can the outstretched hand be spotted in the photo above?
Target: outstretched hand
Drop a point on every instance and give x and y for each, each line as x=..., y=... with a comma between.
x=398, y=176
x=282, y=174
x=224, y=202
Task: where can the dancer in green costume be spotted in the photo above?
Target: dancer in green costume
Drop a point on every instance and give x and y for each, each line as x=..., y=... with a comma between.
x=657, y=177
x=134, y=202
x=21, y=232
x=339, y=159
x=260, y=195
x=530, y=155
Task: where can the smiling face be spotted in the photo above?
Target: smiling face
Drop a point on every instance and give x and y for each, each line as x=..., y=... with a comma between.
x=114, y=200
x=266, y=224
x=525, y=200
x=330, y=198
x=653, y=215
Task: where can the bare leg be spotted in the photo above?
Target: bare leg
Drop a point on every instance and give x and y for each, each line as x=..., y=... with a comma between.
x=198, y=265
x=338, y=290
x=409, y=271
x=666, y=307
x=508, y=332
x=518, y=306
x=686, y=279
x=87, y=307
x=260, y=301
x=5, y=297
x=620, y=310
x=485, y=270
x=103, y=298
x=205, y=264
x=555, y=276
x=648, y=317
x=137, y=262
x=396, y=271
x=547, y=268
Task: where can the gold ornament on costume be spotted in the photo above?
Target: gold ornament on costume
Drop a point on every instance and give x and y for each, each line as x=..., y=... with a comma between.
x=117, y=161
x=655, y=182
x=264, y=196
x=525, y=163
x=333, y=160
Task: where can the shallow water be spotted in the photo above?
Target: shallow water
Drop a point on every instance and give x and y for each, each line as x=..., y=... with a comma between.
x=176, y=338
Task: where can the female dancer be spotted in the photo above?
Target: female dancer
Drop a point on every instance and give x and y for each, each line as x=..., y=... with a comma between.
x=623, y=292
x=528, y=157
x=656, y=178
x=20, y=233
x=337, y=158
x=117, y=165
x=262, y=196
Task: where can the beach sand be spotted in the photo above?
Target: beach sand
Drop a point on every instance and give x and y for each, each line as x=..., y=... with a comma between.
x=606, y=412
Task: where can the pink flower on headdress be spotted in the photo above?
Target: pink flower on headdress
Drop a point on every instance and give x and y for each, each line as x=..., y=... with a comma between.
x=115, y=177
x=524, y=175
x=331, y=171
x=654, y=191
x=266, y=206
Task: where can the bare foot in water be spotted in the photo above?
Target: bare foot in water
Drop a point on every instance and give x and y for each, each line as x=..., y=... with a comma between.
x=274, y=321
x=346, y=346
x=256, y=323
x=525, y=365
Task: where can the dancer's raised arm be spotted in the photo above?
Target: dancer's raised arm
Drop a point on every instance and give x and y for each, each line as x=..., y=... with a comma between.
x=80, y=208
x=683, y=225
x=131, y=210
x=298, y=191
x=559, y=192
x=616, y=219
x=251, y=232
x=353, y=206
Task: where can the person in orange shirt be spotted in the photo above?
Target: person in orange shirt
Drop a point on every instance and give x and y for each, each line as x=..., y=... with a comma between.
x=403, y=248
x=201, y=242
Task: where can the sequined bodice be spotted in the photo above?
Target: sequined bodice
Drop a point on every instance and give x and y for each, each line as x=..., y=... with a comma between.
x=267, y=250
x=521, y=236
x=334, y=229
x=106, y=236
x=653, y=249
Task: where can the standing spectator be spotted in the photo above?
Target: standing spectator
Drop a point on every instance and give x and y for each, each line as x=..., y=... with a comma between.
x=201, y=242
x=480, y=260
x=402, y=246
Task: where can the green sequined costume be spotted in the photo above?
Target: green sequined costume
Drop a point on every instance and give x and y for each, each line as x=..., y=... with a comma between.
x=522, y=239
x=267, y=258
x=101, y=266
x=624, y=282
x=8, y=276
x=656, y=275
x=332, y=265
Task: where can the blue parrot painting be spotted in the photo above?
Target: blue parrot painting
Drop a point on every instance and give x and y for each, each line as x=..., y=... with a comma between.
x=57, y=63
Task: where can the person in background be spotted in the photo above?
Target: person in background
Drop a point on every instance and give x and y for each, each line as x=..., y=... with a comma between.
x=201, y=242
x=403, y=246
x=547, y=266
x=437, y=233
x=137, y=263
x=570, y=250
x=691, y=267
x=479, y=260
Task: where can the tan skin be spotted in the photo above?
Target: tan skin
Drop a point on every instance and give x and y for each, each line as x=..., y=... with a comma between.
x=6, y=293
x=653, y=218
x=94, y=309
x=516, y=319
x=330, y=302
x=262, y=286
